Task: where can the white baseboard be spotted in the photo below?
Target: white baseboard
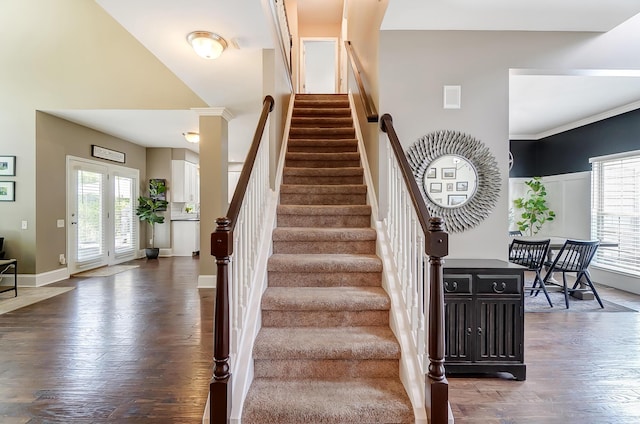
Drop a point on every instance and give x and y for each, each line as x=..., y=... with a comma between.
x=206, y=281
x=38, y=280
x=614, y=279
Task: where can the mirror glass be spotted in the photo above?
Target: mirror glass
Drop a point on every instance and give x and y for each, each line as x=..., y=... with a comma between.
x=450, y=181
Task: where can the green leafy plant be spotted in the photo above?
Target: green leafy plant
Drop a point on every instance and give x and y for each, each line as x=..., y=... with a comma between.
x=535, y=211
x=148, y=207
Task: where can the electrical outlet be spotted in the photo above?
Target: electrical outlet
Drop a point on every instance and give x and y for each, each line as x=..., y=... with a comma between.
x=62, y=259
x=60, y=223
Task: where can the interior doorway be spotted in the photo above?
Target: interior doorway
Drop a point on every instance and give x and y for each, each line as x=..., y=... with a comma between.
x=103, y=227
x=319, y=65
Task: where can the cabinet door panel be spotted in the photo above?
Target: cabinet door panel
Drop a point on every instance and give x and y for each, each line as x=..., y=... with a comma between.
x=499, y=330
x=458, y=329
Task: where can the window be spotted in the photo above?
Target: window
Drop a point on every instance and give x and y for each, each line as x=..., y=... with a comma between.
x=615, y=210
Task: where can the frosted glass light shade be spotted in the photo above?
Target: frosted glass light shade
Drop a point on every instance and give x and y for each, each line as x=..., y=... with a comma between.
x=207, y=44
x=192, y=137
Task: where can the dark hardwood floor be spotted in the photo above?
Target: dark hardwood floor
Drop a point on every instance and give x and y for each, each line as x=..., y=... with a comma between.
x=136, y=347
x=582, y=368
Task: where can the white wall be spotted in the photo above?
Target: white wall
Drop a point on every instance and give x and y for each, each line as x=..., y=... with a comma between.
x=415, y=65
x=569, y=196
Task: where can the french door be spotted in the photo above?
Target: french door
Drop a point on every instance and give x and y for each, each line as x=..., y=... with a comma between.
x=103, y=227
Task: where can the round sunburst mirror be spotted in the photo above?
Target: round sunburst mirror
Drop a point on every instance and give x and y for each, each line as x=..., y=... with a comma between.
x=458, y=176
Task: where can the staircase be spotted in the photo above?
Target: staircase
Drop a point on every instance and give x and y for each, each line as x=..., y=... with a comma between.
x=325, y=352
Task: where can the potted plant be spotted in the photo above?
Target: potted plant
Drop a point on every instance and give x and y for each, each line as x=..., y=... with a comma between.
x=534, y=205
x=148, y=208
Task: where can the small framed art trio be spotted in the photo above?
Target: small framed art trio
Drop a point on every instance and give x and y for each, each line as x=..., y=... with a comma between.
x=7, y=169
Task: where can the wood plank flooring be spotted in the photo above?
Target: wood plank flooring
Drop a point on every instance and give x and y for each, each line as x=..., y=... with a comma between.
x=136, y=347
x=582, y=368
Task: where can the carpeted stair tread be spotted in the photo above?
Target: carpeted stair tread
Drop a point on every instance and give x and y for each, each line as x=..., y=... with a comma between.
x=323, y=189
x=324, y=172
x=342, y=156
x=322, y=160
x=324, y=176
x=324, y=210
x=312, y=111
x=325, y=299
x=361, y=343
x=321, y=132
x=319, y=145
x=323, y=234
x=321, y=103
x=324, y=240
x=354, y=400
x=321, y=121
x=324, y=263
x=329, y=142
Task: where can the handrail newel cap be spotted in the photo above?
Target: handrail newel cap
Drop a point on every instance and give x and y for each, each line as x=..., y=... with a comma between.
x=222, y=238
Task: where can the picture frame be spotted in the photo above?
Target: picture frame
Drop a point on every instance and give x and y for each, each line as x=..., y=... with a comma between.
x=432, y=172
x=435, y=188
x=7, y=191
x=462, y=185
x=456, y=199
x=448, y=173
x=8, y=166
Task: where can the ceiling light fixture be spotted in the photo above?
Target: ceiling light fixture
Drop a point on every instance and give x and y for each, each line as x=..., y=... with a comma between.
x=191, y=136
x=207, y=44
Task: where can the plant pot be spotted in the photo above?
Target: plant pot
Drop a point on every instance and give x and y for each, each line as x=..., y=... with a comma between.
x=152, y=252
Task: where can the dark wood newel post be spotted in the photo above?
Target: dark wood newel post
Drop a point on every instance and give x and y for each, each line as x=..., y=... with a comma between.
x=220, y=384
x=437, y=248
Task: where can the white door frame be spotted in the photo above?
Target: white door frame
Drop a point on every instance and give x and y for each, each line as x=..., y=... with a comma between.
x=111, y=170
x=301, y=64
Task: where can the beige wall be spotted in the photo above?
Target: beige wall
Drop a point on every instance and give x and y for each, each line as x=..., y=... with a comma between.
x=52, y=67
x=57, y=139
x=364, y=20
x=415, y=65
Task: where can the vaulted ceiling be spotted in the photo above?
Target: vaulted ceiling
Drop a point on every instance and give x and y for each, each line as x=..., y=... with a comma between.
x=234, y=80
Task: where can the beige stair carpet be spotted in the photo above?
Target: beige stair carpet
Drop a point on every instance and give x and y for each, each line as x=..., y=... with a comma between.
x=325, y=353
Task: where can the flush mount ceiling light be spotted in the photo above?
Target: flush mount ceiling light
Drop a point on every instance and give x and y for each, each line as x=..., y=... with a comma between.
x=191, y=136
x=207, y=44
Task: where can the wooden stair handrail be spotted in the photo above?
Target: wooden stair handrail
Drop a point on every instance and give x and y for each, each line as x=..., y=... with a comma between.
x=436, y=247
x=369, y=107
x=222, y=249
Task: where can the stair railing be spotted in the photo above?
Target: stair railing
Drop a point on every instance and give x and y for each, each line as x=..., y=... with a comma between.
x=363, y=86
x=234, y=246
x=284, y=38
x=414, y=236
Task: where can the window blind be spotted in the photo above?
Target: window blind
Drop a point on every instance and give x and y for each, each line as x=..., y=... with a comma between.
x=615, y=211
x=124, y=215
x=91, y=222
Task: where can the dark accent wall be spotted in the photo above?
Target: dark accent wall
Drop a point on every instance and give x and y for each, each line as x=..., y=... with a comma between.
x=570, y=151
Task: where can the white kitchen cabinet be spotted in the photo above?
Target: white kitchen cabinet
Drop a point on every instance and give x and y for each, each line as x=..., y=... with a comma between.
x=186, y=237
x=185, y=185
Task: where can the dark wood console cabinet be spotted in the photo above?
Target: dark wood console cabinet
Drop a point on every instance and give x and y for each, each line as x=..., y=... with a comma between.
x=484, y=317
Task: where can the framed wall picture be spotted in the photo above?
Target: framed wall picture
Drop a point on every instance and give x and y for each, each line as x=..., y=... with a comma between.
x=457, y=199
x=7, y=191
x=448, y=173
x=8, y=166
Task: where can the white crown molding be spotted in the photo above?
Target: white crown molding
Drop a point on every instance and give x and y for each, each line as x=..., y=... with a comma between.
x=214, y=111
x=572, y=125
